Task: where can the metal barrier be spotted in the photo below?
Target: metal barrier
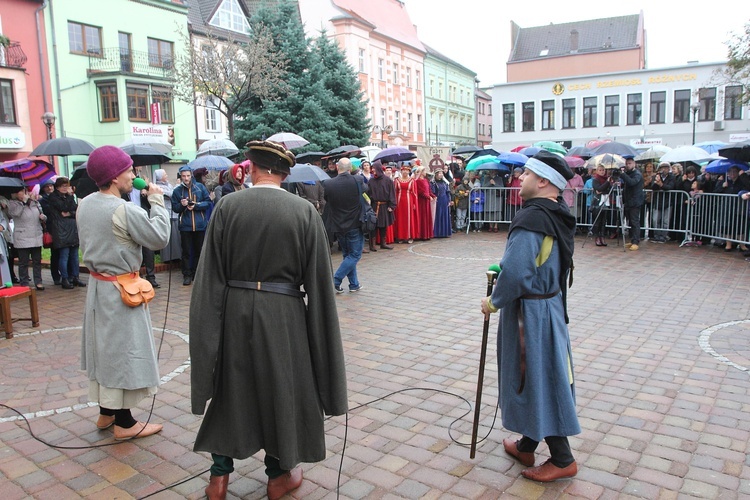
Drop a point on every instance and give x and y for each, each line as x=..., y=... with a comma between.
x=672, y=214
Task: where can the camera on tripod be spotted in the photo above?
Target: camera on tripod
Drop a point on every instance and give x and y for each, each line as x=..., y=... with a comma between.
x=615, y=174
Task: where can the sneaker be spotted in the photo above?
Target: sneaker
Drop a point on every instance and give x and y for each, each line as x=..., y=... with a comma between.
x=628, y=245
x=338, y=289
x=633, y=247
x=360, y=287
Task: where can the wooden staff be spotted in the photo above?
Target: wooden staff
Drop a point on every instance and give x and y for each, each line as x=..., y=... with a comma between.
x=491, y=275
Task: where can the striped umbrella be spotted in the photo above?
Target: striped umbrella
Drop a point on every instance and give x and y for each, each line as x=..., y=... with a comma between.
x=30, y=171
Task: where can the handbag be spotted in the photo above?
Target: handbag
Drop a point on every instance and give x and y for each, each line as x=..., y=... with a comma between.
x=46, y=239
x=367, y=218
x=134, y=290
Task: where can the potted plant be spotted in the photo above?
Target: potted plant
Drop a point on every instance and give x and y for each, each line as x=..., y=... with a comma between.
x=4, y=41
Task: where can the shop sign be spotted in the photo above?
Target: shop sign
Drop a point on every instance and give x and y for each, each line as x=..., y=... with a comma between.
x=12, y=138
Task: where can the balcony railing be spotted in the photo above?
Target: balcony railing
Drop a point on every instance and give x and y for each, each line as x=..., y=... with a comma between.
x=12, y=56
x=134, y=62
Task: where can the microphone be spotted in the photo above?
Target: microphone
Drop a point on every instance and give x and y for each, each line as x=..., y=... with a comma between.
x=495, y=268
x=139, y=184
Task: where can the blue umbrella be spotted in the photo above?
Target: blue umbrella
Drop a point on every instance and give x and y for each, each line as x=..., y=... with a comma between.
x=511, y=158
x=211, y=162
x=711, y=146
x=722, y=166
x=530, y=151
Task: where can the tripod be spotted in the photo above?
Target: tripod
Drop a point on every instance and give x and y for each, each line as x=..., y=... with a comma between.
x=615, y=190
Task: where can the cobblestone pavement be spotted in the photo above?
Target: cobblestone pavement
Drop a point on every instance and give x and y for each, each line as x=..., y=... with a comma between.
x=661, y=351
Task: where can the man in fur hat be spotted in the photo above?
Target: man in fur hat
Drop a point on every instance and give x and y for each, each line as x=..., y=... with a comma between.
x=271, y=362
x=537, y=391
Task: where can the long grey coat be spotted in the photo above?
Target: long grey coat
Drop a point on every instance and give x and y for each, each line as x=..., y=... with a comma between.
x=117, y=343
x=546, y=406
x=273, y=364
x=27, y=226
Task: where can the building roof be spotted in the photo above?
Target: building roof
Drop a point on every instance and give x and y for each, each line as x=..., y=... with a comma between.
x=437, y=55
x=200, y=13
x=595, y=35
x=389, y=18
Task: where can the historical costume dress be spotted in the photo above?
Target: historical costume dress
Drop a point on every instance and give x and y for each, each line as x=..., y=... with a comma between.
x=441, y=190
x=424, y=209
x=407, y=216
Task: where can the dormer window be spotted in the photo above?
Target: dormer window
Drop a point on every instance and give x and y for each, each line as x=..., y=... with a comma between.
x=230, y=16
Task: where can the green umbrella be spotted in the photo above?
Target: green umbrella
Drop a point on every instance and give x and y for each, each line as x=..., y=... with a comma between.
x=489, y=162
x=552, y=147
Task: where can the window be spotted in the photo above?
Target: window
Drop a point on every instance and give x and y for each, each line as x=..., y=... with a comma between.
x=634, y=109
x=461, y=101
x=395, y=73
x=611, y=110
x=432, y=87
x=397, y=120
x=509, y=117
x=159, y=53
x=229, y=16
x=489, y=107
x=733, y=102
x=440, y=90
x=84, y=39
x=419, y=123
x=361, y=60
x=548, y=115
x=163, y=96
x=418, y=78
x=481, y=108
x=527, y=116
x=138, y=103
x=408, y=122
x=681, y=106
x=658, y=109
x=109, y=108
x=213, y=122
x=589, y=111
x=7, y=104
x=382, y=118
x=408, y=77
x=569, y=113
x=707, y=98
x=490, y=131
x=381, y=69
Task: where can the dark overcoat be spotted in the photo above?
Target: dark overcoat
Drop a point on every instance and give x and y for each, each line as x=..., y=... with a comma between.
x=271, y=364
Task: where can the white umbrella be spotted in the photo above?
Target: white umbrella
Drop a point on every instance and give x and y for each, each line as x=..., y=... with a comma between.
x=686, y=153
x=653, y=153
x=218, y=147
x=289, y=140
x=160, y=145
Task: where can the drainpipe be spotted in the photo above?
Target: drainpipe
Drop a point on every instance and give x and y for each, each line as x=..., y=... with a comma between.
x=41, y=55
x=57, y=83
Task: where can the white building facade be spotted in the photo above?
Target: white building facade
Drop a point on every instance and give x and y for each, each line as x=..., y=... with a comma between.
x=640, y=108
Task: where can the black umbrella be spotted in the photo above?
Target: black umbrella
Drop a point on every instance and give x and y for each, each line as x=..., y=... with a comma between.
x=310, y=156
x=63, y=146
x=10, y=185
x=615, y=148
x=303, y=172
x=348, y=150
x=739, y=151
x=581, y=152
x=144, y=155
x=484, y=152
x=465, y=150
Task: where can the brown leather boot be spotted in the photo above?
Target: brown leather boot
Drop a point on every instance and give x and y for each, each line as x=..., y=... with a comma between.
x=372, y=245
x=217, y=487
x=285, y=483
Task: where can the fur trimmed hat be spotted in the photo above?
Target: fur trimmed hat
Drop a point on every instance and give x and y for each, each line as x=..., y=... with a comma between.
x=270, y=155
x=107, y=162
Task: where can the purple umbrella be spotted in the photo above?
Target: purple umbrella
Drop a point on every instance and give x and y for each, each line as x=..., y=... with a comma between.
x=395, y=154
x=574, y=161
x=31, y=172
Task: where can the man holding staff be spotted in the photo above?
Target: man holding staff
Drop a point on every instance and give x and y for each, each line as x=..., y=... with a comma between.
x=537, y=391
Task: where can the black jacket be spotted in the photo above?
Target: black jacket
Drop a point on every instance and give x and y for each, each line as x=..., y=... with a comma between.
x=342, y=195
x=63, y=228
x=632, y=193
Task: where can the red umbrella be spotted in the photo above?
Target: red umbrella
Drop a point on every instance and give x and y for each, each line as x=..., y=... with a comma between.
x=31, y=172
x=518, y=148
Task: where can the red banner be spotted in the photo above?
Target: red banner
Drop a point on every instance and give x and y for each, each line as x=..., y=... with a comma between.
x=155, y=113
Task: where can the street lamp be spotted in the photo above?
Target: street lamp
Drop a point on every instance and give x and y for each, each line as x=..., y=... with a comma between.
x=695, y=107
x=382, y=131
x=49, y=120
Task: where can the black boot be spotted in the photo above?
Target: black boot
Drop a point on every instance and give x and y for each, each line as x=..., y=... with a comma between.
x=67, y=285
x=78, y=282
x=372, y=244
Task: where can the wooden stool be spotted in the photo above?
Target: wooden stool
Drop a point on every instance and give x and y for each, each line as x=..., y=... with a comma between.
x=8, y=295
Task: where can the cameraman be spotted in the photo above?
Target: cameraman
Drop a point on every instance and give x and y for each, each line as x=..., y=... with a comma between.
x=190, y=201
x=633, y=198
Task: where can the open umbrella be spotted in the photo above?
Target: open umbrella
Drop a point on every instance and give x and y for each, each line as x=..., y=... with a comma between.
x=722, y=166
x=304, y=172
x=29, y=171
x=144, y=155
x=608, y=160
x=574, y=161
x=395, y=153
x=310, y=156
x=486, y=162
x=518, y=149
x=615, y=148
x=737, y=151
x=466, y=150
x=10, y=185
x=484, y=152
x=342, y=151
x=218, y=147
x=289, y=140
x=511, y=158
x=530, y=151
x=653, y=153
x=157, y=143
x=686, y=153
x=711, y=146
x=63, y=146
x=552, y=147
x=581, y=152
x=211, y=162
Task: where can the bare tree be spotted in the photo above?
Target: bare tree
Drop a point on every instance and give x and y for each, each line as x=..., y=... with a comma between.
x=737, y=71
x=229, y=71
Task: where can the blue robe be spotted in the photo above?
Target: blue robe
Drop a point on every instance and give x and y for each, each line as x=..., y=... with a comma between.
x=442, y=228
x=546, y=405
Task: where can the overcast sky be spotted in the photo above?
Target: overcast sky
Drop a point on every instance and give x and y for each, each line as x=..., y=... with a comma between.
x=476, y=33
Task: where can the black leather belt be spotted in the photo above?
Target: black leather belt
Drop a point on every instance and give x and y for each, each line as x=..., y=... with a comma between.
x=264, y=286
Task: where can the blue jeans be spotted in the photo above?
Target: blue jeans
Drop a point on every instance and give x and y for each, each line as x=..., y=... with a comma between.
x=351, y=245
x=68, y=262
